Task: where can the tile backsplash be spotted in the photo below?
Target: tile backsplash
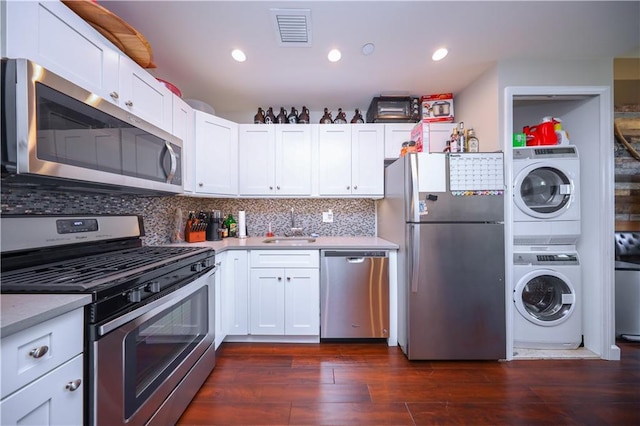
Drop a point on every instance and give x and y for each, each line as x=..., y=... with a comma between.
x=351, y=217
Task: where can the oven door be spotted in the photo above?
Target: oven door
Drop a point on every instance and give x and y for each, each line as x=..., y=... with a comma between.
x=142, y=363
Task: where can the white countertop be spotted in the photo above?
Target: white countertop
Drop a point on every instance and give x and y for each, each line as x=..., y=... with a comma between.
x=335, y=243
x=21, y=311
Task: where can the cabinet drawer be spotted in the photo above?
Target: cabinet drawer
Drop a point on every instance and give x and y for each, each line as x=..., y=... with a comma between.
x=58, y=340
x=49, y=400
x=284, y=258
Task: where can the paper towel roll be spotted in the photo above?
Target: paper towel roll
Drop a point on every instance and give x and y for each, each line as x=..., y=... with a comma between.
x=242, y=225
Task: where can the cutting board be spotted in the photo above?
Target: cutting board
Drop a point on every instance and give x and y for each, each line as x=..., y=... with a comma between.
x=114, y=29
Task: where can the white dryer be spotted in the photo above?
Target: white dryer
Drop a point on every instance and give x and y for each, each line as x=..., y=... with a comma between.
x=547, y=297
x=546, y=195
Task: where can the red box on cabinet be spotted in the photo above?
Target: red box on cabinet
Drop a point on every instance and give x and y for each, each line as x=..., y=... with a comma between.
x=437, y=108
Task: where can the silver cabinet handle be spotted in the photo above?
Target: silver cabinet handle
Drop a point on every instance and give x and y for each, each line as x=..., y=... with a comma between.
x=348, y=187
x=279, y=278
x=39, y=352
x=278, y=188
x=114, y=95
x=73, y=385
x=288, y=278
x=355, y=187
x=200, y=184
x=129, y=104
x=270, y=188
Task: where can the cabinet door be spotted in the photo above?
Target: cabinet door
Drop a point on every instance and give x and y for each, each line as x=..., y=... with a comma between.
x=394, y=136
x=267, y=301
x=235, y=293
x=183, y=127
x=220, y=333
x=49, y=400
x=256, y=169
x=216, y=155
x=302, y=302
x=142, y=95
x=53, y=36
x=367, y=166
x=293, y=159
x=334, y=159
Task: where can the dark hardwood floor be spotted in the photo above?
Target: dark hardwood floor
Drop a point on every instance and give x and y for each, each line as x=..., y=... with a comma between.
x=372, y=384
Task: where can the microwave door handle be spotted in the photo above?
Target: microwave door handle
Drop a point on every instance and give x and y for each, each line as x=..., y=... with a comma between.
x=174, y=162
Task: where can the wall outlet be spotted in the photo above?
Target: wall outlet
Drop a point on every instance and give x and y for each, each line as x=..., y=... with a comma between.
x=327, y=216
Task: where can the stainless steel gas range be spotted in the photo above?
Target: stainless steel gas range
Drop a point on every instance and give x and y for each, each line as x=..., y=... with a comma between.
x=149, y=329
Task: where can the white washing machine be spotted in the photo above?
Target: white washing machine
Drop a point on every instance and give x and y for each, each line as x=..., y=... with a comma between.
x=546, y=195
x=547, y=297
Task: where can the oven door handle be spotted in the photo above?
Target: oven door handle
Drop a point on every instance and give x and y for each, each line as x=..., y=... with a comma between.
x=159, y=305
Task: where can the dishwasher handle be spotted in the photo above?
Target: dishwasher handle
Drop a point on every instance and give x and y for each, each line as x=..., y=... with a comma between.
x=354, y=259
x=354, y=254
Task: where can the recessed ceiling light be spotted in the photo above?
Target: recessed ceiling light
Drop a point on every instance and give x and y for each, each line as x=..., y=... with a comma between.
x=238, y=55
x=334, y=55
x=439, y=54
x=368, y=48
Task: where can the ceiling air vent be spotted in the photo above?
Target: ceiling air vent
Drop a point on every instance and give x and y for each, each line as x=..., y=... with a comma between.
x=293, y=26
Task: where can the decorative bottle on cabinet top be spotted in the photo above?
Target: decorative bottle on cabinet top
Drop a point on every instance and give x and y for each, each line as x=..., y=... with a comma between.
x=282, y=116
x=326, y=118
x=357, y=117
x=270, y=118
x=303, y=118
x=293, y=116
x=259, y=117
x=341, y=118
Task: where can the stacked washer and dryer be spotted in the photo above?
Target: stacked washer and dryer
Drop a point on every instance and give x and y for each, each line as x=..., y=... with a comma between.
x=547, y=286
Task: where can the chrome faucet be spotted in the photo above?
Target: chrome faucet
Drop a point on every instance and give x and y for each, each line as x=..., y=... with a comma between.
x=294, y=231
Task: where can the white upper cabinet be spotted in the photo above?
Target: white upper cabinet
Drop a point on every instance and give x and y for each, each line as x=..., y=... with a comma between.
x=53, y=36
x=394, y=135
x=142, y=95
x=184, y=128
x=216, y=161
x=275, y=159
x=351, y=160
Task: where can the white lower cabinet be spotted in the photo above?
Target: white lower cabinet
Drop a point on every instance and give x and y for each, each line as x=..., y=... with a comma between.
x=42, y=373
x=284, y=292
x=235, y=293
x=49, y=400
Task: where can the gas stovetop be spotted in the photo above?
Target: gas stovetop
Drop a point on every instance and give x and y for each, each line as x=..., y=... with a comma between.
x=93, y=272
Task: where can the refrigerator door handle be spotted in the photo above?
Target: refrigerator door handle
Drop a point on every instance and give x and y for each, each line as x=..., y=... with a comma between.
x=414, y=203
x=414, y=259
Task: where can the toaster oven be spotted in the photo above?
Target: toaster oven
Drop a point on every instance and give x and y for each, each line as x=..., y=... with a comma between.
x=394, y=109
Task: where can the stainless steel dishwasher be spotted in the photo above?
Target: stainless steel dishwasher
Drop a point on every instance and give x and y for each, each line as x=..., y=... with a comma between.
x=354, y=294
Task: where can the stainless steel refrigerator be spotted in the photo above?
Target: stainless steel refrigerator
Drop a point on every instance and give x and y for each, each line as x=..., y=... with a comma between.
x=446, y=212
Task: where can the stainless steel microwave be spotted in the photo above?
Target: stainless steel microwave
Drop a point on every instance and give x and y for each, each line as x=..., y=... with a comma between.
x=54, y=132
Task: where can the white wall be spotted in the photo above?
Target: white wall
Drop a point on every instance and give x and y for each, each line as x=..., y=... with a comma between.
x=477, y=106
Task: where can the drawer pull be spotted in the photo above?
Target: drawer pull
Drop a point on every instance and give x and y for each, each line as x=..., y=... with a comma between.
x=71, y=386
x=39, y=352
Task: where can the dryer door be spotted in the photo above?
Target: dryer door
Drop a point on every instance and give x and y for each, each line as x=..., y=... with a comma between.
x=543, y=192
x=545, y=297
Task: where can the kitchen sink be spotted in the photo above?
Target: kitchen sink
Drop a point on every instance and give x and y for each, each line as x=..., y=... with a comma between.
x=289, y=240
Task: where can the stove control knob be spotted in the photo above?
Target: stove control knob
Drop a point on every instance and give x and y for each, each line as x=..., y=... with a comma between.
x=196, y=267
x=133, y=296
x=153, y=287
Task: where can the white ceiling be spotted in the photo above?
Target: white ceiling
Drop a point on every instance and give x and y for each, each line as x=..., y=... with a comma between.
x=192, y=41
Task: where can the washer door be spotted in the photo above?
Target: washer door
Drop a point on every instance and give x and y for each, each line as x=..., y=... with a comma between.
x=545, y=297
x=543, y=192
